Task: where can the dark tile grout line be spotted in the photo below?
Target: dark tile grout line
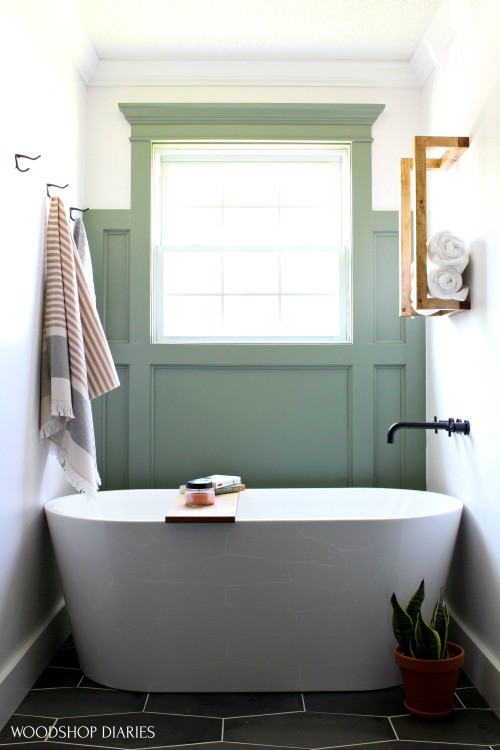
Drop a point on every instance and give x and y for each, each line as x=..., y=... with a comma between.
x=393, y=728
x=459, y=699
x=353, y=744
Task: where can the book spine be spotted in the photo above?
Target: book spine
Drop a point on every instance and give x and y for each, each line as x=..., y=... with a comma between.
x=229, y=488
x=218, y=482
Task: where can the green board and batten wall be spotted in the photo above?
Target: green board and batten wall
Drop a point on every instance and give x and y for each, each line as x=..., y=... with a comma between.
x=278, y=414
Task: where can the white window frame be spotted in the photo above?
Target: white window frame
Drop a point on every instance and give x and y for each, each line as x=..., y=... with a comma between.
x=177, y=151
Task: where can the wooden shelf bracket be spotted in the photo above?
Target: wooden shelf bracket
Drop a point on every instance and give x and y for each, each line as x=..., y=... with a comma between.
x=420, y=163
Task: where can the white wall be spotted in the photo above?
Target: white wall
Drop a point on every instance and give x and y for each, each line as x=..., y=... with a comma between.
x=108, y=133
x=43, y=113
x=463, y=370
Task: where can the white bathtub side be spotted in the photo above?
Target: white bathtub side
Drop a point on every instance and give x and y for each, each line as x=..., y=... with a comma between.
x=254, y=606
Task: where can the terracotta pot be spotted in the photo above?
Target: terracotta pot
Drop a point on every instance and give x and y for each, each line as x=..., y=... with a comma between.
x=429, y=684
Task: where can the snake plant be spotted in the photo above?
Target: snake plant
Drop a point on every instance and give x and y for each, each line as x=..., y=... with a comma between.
x=417, y=638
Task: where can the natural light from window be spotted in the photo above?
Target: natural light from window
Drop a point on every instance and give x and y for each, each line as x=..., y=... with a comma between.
x=251, y=243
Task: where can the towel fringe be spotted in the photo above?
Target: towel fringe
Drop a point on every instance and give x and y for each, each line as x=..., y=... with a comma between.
x=50, y=428
x=61, y=409
x=78, y=482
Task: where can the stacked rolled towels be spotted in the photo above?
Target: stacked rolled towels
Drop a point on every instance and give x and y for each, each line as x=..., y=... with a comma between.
x=447, y=258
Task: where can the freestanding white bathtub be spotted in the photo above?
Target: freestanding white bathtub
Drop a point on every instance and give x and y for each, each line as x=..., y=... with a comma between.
x=294, y=596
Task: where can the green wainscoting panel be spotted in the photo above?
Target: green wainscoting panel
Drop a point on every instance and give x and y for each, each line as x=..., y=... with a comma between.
x=115, y=440
x=285, y=426
x=108, y=233
x=279, y=415
x=389, y=328
x=389, y=393
x=116, y=286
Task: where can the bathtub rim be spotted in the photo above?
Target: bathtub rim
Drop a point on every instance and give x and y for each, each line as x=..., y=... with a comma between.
x=445, y=504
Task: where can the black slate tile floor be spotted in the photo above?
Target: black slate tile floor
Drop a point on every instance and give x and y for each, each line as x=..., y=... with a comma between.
x=66, y=710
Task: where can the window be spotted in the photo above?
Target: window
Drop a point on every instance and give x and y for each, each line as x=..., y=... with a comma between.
x=251, y=242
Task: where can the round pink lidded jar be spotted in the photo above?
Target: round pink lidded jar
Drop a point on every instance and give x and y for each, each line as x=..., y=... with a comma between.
x=199, y=492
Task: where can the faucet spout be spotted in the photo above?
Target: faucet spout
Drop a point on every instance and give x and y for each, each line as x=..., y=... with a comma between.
x=408, y=426
x=450, y=425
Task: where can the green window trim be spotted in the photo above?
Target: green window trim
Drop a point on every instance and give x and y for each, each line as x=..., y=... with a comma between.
x=346, y=123
x=151, y=120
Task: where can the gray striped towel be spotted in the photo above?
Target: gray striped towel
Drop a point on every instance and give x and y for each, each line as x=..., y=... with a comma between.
x=76, y=361
x=82, y=245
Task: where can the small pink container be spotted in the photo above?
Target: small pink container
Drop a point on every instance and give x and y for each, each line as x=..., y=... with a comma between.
x=199, y=492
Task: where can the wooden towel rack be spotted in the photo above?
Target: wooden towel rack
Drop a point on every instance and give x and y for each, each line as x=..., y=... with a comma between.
x=455, y=147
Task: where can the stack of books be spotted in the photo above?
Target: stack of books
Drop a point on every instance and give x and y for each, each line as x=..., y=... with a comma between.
x=222, y=484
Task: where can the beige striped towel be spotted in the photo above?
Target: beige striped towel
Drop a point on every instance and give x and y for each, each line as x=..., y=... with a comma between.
x=76, y=361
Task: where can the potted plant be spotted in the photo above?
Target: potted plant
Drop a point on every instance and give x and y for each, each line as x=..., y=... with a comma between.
x=428, y=662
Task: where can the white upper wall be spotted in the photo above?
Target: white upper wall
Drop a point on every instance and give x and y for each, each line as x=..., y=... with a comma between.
x=45, y=115
x=108, y=133
x=463, y=351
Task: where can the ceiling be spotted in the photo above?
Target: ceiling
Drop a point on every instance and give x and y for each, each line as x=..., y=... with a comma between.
x=278, y=30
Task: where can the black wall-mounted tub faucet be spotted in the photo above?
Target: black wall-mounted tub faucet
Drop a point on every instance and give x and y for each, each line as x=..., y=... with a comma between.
x=450, y=425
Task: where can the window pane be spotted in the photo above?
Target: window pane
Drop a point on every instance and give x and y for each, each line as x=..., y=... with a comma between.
x=192, y=272
x=251, y=316
x=251, y=185
x=307, y=226
x=253, y=239
x=250, y=226
x=192, y=316
x=193, y=185
x=251, y=273
x=310, y=272
x=309, y=184
x=310, y=316
x=192, y=226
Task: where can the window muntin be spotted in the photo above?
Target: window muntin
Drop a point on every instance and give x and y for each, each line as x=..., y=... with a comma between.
x=251, y=243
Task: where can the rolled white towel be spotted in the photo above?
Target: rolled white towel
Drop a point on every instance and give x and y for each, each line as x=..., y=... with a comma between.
x=413, y=295
x=447, y=250
x=446, y=283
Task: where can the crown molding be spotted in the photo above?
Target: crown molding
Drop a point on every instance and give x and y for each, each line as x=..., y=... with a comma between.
x=410, y=74
x=254, y=73
x=445, y=23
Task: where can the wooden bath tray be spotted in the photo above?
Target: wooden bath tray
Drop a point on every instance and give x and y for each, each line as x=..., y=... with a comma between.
x=222, y=511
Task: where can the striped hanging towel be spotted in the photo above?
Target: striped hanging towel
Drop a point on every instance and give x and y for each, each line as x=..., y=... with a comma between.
x=82, y=245
x=76, y=361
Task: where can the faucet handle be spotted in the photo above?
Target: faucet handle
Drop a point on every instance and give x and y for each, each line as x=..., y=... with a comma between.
x=450, y=425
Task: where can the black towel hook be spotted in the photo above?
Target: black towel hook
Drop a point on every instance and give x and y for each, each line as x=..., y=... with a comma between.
x=52, y=184
x=23, y=156
x=74, y=208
